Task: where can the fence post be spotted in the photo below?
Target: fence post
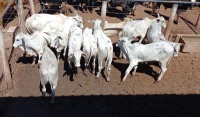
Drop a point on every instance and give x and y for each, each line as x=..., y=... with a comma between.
x=6, y=68
x=103, y=12
x=21, y=16
x=32, y=7
x=171, y=20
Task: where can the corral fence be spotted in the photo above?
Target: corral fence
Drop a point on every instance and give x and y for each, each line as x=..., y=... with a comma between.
x=9, y=55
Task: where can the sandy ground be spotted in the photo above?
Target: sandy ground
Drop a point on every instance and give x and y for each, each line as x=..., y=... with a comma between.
x=177, y=94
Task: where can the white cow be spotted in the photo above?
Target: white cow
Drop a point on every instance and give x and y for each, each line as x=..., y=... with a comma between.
x=115, y=29
x=154, y=34
x=89, y=47
x=50, y=23
x=74, y=46
x=49, y=71
x=34, y=43
x=105, y=48
x=138, y=28
x=136, y=52
x=59, y=40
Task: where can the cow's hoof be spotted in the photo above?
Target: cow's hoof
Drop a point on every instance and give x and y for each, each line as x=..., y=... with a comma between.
x=93, y=72
x=43, y=94
x=108, y=80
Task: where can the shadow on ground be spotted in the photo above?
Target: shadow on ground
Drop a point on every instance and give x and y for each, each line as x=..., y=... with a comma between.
x=102, y=106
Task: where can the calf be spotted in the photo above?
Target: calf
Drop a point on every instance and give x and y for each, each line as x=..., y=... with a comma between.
x=34, y=43
x=89, y=47
x=74, y=46
x=49, y=71
x=138, y=28
x=105, y=48
x=160, y=51
x=154, y=34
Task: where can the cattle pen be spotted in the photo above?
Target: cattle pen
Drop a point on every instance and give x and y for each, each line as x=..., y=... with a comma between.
x=20, y=81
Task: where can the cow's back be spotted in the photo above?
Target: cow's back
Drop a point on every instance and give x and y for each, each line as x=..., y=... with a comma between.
x=154, y=51
x=38, y=21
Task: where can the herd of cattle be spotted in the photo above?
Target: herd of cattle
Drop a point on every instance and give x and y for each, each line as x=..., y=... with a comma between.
x=68, y=34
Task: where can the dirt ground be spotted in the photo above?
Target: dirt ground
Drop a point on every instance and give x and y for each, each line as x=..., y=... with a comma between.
x=177, y=94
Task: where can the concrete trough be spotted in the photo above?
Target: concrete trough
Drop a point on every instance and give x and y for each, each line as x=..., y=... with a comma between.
x=191, y=42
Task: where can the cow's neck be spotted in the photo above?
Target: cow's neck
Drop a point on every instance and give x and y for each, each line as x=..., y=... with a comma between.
x=29, y=43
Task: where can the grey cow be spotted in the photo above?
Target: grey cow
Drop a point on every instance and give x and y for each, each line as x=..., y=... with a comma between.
x=49, y=71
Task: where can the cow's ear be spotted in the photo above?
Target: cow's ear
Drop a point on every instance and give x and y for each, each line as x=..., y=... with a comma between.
x=91, y=21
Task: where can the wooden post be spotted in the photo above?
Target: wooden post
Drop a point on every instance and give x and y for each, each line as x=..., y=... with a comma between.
x=32, y=7
x=198, y=22
x=171, y=20
x=103, y=12
x=6, y=68
x=21, y=16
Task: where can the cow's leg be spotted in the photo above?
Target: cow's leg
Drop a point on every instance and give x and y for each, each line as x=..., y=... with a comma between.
x=40, y=57
x=154, y=7
x=58, y=56
x=99, y=67
x=108, y=70
x=131, y=65
x=69, y=64
x=163, y=67
x=53, y=88
x=34, y=59
x=121, y=55
x=65, y=50
x=93, y=65
x=43, y=83
x=86, y=64
x=133, y=9
x=135, y=68
x=92, y=5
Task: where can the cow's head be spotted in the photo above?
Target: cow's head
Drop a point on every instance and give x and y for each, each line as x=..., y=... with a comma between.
x=78, y=19
x=161, y=21
x=97, y=23
x=18, y=40
x=55, y=38
x=177, y=47
x=76, y=57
